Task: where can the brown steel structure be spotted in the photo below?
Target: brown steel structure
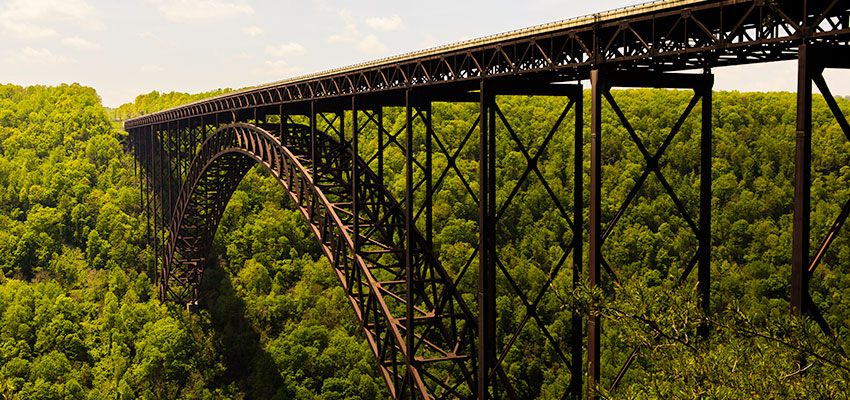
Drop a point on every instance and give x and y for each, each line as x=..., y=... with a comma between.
x=428, y=342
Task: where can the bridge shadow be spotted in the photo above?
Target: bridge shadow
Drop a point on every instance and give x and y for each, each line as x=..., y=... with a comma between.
x=246, y=363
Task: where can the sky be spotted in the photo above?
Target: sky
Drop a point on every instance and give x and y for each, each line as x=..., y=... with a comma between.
x=124, y=48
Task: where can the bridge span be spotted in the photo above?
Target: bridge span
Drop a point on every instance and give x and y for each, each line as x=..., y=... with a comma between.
x=431, y=341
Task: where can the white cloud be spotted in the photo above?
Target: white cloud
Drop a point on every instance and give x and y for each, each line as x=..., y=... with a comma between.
x=286, y=50
x=348, y=35
x=17, y=14
x=367, y=44
x=46, y=9
x=33, y=56
x=345, y=15
x=151, y=68
x=201, y=10
x=168, y=42
x=80, y=44
x=385, y=24
x=280, y=69
x=371, y=45
x=252, y=31
x=25, y=30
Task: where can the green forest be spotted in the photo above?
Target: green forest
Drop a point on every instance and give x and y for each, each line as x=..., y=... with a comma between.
x=81, y=317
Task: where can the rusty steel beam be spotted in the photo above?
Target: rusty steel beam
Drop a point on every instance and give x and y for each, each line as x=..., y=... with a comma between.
x=802, y=184
x=577, y=319
x=486, y=239
x=409, y=327
x=705, y=167
x=598, y=88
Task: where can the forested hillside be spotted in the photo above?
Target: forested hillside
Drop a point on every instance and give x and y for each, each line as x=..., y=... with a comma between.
x=80, y=317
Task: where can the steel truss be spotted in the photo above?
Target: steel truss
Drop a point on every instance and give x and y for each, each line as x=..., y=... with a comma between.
x=391, y=274
x=494, y=216
x=670, y=38
x=602, y=81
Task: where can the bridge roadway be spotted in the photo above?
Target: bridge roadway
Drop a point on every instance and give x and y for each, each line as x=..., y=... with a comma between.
x=428, y=342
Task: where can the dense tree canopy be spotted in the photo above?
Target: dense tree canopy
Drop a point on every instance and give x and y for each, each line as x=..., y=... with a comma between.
x=81, y=318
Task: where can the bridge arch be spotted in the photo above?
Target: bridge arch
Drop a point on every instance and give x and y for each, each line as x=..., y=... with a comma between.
x=372, y=271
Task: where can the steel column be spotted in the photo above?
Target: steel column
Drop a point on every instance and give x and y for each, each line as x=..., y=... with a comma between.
x=173, y=153
x=578, y=243
x=152, y=210
x=802, y=185
x=146, y=189
x=281, y=123
x=314, y=162
x=341, y=116
x=409, y=224
x=159, y=238
x=381, y=145
x=429, y=181
x=166, y=217
x=704, y=263
x=486, y=242
x=178, y=146
x=134, y=148
x=355, y=181
x=598, y=87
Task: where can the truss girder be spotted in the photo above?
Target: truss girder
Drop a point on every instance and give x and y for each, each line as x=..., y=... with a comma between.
x=671, y=38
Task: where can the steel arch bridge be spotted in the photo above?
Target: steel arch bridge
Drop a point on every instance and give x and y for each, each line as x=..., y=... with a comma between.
x=428, y=342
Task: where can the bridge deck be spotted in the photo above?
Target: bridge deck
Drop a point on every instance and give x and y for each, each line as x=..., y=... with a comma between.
x=659, y=36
